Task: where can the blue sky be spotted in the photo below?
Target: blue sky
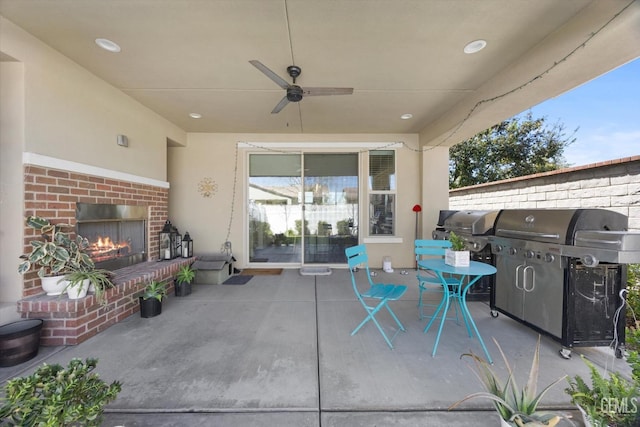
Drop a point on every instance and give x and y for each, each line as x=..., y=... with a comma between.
x=607, y=112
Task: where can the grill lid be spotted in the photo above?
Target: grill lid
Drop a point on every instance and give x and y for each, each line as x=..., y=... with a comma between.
x=556, y=225
x=476, y=223
x=444, y=214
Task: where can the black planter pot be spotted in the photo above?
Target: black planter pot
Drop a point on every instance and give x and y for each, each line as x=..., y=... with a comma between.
x=182, y=289
x=19, y=341
x=150, y=307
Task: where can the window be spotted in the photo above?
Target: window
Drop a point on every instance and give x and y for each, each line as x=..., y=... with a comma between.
x=382, y=192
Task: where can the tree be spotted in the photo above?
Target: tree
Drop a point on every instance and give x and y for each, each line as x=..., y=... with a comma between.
x=516, y=147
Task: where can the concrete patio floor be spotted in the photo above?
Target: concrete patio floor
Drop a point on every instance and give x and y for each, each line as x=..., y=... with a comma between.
x=277, y=351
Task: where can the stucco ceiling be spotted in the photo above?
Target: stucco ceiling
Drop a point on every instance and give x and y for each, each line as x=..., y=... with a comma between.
x=400, y=56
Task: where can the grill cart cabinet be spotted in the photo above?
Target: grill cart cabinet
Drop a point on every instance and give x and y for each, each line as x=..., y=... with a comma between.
x=530, y=292
x=593, y=296
x=577, y=312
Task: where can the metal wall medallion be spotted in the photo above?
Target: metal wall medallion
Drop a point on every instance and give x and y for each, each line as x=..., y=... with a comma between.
x=207, y=187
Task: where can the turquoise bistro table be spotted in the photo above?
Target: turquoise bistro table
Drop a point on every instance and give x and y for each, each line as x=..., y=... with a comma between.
x=457, y=293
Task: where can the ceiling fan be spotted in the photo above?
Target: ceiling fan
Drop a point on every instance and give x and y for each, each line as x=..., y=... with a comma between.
x=295, y=93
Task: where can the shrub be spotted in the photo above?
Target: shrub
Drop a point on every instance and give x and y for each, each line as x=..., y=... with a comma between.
x=57, y=396
x=633, y=308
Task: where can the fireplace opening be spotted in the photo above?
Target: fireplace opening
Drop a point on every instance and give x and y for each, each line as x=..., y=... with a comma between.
x=117, y=234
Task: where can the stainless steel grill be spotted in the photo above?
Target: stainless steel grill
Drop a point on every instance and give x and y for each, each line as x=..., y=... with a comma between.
x=560, y=271
x=474, y=227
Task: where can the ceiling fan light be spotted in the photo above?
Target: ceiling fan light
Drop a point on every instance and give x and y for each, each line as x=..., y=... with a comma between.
x=195, y=115
x=475, y=46
x=406, y=116
x=109, y=45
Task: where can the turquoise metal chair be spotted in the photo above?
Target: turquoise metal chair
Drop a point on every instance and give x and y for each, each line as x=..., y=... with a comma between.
x=383, y=293
x=430, y=283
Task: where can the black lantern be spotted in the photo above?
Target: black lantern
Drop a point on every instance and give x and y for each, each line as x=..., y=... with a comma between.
x=169, y=241
x=187, y=246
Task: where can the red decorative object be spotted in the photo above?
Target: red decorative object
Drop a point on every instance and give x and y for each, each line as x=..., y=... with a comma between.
x=417, y=209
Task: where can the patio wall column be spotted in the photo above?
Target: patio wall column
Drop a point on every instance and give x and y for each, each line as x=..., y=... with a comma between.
x=434, y=187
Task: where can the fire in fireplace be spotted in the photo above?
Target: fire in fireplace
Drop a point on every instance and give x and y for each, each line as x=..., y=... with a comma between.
x=116, y=233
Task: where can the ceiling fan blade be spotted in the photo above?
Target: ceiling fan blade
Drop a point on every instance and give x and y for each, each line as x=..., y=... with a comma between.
x=267, y=72
x=283, y=103
x=322, y=91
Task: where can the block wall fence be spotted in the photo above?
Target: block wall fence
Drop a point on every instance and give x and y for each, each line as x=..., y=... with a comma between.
x=613, y=185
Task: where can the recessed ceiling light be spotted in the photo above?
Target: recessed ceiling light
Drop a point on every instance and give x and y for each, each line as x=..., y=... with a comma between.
x=475, y=46
x=107, y=44
x=195, y=115
x=406, y=116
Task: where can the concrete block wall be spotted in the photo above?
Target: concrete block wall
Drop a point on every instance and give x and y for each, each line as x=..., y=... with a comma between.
x=613, y=185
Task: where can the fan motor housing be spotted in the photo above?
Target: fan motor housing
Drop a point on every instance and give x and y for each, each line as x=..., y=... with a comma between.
x=294, y=93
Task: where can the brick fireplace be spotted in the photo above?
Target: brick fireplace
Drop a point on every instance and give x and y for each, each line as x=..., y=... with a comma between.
x=54, y=194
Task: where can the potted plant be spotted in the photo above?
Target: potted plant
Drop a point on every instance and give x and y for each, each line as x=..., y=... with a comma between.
x=57, y=396
x=515, y=406
x=151, y=299
x=55, y=255
x=611, y=401
x=94, y=280
x=182, y=282
x=458, y=255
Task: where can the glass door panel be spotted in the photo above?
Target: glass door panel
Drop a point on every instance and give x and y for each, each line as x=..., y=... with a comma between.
x=330, y=206
x=275, y=209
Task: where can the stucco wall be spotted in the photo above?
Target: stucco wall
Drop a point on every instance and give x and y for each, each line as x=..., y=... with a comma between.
x=613, y=185
x=214, y=156
x=55, y=108
x=11, y=190
x=70, y=113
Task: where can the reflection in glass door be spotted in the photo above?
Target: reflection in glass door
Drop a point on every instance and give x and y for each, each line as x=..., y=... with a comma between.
x=275, y=209
x=303, y=224
x=330, y=206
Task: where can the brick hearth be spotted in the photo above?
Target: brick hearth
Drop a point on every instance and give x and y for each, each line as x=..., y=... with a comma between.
x=52, y=193
x=70, y=322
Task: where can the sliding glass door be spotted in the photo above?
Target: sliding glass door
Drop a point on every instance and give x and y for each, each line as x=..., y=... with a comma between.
x=330, y=206
x=303, y=208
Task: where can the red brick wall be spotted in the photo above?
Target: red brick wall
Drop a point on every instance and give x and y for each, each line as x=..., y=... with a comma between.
x=70, y=322
x=53, y=194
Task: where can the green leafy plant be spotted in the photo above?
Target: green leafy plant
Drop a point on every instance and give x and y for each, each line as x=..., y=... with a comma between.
x=100, y=278
x=633, y=308
x=154, y=289
x=57, y=253
x=517, y=406
x=457, y=242
x=54, y=396
x=601, y=401
x=185, y=274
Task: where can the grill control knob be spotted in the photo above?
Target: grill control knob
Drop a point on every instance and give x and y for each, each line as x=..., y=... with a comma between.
x=549, y=257
x=529, y=254
x=513, y=251
x=590, y=261
x=498, y=248
x=476, y=245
